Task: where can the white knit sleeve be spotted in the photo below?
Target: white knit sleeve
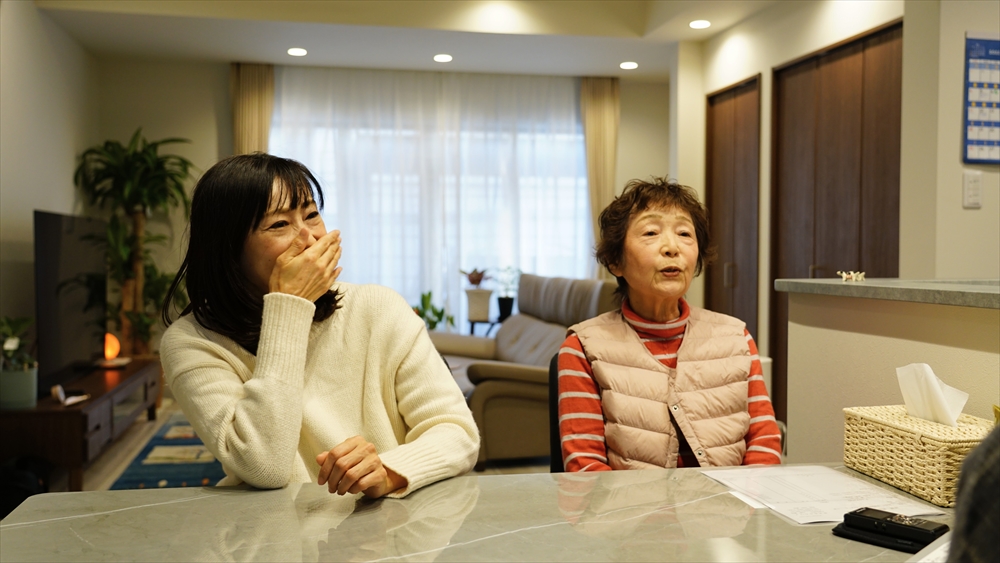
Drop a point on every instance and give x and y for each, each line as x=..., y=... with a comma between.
x=249, y=416
x=442, y=439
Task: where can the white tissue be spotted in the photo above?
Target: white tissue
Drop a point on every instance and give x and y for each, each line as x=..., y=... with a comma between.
x=927, y=397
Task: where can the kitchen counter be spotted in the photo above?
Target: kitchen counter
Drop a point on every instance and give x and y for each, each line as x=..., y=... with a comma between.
x=964, y=293
x=846, y=339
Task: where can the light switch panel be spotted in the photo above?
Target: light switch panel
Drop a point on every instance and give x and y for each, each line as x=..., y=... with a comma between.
x=972, y=189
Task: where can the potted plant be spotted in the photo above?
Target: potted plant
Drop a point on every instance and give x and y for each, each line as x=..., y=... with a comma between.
x=430, y=314
x=507, y=279
x=133, y=181
x=479, y=299
x=19, y=371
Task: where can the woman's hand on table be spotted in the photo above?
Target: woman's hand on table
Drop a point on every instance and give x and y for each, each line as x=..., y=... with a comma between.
x=353, y=467
x=307, y=271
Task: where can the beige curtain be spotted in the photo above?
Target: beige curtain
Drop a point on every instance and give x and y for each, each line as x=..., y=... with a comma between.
x=600, y=110
x=252, y=88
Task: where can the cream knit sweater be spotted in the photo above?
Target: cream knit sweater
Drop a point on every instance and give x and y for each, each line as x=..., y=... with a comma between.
x=370, y=370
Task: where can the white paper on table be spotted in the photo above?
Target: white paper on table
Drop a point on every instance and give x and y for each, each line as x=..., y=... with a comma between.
x=929, y=398
x=749, y=500
x=811, y=493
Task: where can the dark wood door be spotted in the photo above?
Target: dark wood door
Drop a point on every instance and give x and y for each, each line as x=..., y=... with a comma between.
x=835, y=162
x=732, y=177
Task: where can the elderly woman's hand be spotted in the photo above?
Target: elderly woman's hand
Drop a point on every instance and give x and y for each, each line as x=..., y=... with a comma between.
x=353, y=467
x=306, y=270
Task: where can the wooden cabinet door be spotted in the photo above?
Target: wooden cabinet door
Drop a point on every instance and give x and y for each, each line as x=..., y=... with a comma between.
x=837, y=145
x=880, y=136
x=732, y=174
x=835, y=172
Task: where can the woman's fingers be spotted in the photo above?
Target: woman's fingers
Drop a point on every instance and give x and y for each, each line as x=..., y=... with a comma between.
x=307, y=272
x=372, y=484
x=352, y=467
x=365, y=467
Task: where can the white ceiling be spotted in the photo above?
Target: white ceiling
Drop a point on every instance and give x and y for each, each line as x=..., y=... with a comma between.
x=575, y=38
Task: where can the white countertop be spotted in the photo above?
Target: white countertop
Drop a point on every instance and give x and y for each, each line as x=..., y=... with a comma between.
x=665, y=515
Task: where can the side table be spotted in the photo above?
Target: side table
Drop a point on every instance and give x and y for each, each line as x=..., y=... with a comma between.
x=75, y=435
x=490, y=325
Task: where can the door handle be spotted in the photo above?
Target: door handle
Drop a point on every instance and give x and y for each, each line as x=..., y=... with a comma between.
x=727, y=274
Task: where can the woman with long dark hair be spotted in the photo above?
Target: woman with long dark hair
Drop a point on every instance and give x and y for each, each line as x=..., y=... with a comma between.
x=288, y=375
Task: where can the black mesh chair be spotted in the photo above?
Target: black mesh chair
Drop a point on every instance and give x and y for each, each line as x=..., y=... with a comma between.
x=555, y=441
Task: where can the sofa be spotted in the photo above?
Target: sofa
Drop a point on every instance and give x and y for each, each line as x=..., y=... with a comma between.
x=505, y=378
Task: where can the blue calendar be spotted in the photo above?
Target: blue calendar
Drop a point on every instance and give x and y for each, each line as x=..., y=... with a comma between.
x=981, y=142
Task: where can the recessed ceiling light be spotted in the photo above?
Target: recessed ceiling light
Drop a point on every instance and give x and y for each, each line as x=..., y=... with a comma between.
x=700, y=24
x=442, y=58
x=297, y=52
x=629, y=65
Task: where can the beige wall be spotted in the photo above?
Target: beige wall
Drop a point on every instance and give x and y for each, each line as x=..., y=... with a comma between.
x=169, y=99
x=687, y=131
x=968, y=240
x=48, y=115
x=644, y=132
x=843, y=352
x=779, y=34
x=56, y=100
x=919, y=142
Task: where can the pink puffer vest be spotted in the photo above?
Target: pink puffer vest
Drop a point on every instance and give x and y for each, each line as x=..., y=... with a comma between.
x=642, y=399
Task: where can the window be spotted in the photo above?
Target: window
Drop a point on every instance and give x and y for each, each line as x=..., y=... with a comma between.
x=429, y=173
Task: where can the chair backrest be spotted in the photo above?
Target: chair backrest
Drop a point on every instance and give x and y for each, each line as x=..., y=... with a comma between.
x=555, y=440
x=564, y=301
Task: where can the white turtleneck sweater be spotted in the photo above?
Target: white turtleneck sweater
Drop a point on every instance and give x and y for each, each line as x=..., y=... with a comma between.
x=369, y=370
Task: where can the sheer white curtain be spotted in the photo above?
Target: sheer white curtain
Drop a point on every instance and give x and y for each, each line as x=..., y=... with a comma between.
x=428, y=173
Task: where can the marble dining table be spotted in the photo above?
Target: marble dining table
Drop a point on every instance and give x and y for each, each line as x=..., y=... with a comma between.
x=653, y=515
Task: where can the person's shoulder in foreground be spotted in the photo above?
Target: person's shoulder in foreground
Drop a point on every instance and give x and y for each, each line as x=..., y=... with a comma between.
x=977, y=508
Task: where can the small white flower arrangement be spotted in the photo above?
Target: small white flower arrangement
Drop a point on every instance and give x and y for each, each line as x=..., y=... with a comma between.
x=16, y=356
x=508, y=279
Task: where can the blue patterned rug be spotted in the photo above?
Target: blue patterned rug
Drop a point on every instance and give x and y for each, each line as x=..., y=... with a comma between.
x=174, y=457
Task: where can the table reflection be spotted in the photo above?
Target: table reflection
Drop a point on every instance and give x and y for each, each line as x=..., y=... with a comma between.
x=679, y=506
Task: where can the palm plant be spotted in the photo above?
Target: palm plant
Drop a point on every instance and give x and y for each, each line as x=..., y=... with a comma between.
x=133, y=181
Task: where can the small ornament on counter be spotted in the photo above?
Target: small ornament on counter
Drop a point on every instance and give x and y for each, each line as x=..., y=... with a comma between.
x=852, y=276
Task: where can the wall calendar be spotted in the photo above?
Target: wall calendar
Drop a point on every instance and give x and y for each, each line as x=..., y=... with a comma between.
x=981, y=142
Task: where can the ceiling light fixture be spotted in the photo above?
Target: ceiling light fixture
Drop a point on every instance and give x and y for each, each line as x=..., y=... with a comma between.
x=297, y=52
x=442, y=58
x=629, y=65
x=700, y=24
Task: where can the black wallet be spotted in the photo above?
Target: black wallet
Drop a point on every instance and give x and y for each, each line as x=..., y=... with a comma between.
x=885, y=529
x=875, y=538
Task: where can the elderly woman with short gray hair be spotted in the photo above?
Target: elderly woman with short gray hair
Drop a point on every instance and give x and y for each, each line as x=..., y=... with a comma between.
x=659, y=383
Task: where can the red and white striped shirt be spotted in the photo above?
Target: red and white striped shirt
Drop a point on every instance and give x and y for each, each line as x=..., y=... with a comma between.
x=581, y=419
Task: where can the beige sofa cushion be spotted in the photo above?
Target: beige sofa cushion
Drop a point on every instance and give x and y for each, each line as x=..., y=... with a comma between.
x=547, y=306
x=563, y=301
x=523, y=339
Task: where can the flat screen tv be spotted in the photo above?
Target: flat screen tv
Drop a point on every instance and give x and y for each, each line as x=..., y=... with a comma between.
x=70, y=296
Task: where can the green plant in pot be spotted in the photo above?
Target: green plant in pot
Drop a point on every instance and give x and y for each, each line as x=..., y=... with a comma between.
x=19, y=373
x=132, y=182
x=430, y=314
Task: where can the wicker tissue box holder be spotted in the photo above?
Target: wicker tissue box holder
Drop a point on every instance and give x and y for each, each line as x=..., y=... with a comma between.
x=918, y=456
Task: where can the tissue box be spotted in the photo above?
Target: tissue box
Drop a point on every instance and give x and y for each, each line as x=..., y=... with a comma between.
x=918, y=456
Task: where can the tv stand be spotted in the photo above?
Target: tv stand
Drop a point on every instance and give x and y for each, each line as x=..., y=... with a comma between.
x=74, y=436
